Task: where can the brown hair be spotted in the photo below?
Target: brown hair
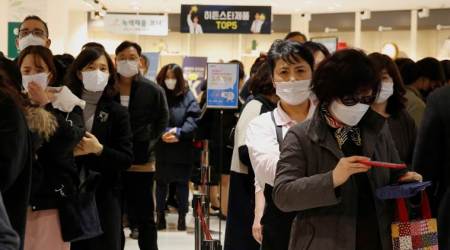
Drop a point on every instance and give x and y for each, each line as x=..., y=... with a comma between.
x=180, y=88
x=45, y=54
x=397, y=101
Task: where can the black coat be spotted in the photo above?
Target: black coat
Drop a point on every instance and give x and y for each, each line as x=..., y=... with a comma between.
x=56, y=160
x=184, y=114
x=15, y=163
x=432, y=158
x=8, y=238
x=149, y=116
x=112, y=129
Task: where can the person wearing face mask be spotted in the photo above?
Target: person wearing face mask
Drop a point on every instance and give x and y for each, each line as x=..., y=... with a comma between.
x=415, y=106
x=431, y=76
x=292, y=65
x=149, y=115
x=55, y=179
x=320, y=174
x=390, y=103
x=106, y=147
x=33, y=31
x=241, y=203
x=174, y=152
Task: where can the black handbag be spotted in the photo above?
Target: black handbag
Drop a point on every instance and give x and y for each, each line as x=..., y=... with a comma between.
x=78, y=214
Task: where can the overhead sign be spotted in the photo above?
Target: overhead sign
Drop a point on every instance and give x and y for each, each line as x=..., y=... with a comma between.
x=150, y=25
x=222, y=86
x=198, y=19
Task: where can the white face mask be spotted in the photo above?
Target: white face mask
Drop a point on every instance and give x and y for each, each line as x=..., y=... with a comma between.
x=387, y=89
x=30, y=40
x=170, y=83
x=40, y=79
x=127, y=68
x=349, y=115
x=95, y=80
x=293, y=92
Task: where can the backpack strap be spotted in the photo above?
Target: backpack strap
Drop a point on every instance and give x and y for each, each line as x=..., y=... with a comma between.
x=278, y=129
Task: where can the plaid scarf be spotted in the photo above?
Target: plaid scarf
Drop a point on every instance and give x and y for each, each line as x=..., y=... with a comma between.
x=342, y=132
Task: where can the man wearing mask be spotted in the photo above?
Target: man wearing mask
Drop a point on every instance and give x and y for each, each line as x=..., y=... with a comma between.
x=33, y=31
x=149, y=116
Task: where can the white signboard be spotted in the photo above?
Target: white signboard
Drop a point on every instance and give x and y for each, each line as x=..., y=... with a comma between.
x=150, y=25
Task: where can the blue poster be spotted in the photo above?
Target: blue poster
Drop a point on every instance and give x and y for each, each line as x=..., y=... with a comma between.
x=194, y=69
x=153, y=64
x=222, y=86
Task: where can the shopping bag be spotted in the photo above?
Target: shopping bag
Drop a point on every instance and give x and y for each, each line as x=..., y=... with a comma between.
x=396, y=191
x=415, y=234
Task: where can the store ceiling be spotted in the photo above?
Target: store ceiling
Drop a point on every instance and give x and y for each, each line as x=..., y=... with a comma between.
x=279, y=6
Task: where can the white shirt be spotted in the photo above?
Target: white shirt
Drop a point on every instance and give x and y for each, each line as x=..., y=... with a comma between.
x=251, y=110
x=125, y=100
x=263, y=147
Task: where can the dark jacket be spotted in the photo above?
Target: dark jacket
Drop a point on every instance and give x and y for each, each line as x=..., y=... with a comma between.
x=112, y=129
x=8, y=238
x=326, y=217
x=15, y=163
x=184, y=114
x=432, y=158
x=404, y=132
x=149, y=116
x=59, y=176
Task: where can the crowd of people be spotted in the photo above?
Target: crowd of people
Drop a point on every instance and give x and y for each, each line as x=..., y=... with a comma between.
x=84, y=139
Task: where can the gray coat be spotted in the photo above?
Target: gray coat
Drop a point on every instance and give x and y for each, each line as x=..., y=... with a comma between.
x=326, y=216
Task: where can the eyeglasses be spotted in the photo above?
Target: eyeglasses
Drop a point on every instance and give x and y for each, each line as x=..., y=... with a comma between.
x=353, y=100
x=35, y=32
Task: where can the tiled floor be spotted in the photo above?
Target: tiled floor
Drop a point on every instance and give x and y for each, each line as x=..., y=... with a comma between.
x=173, y=240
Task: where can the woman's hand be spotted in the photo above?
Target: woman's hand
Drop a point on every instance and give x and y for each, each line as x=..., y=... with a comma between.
x=257, y=228
x=88, y=145
x=38, y=94
x=410, y=177
x=170, y=136
x=347, y=167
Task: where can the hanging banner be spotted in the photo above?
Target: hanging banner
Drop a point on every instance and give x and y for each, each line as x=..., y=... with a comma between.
x=194, y=69
x=150, y=25
x=198, y=19
x=153, y=64
x=222, y=86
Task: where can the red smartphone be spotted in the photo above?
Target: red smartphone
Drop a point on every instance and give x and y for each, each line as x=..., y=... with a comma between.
x=384, y=164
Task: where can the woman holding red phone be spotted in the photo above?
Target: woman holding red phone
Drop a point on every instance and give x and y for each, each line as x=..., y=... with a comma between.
x=319, y=174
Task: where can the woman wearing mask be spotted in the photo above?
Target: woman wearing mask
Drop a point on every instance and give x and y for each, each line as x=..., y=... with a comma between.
x=106, y=147
x=292, y=66
x=390, y=103
x=241, y=203
x=58, y=178
x=321, y=174
x=174, y=153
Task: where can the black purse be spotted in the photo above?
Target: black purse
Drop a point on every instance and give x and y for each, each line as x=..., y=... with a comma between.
x=78, y=214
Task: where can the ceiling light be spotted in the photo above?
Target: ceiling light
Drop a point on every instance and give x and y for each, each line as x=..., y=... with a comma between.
x=442, y=27
x=384, y=28
x=365, y=14
x=329, y=30
x=422, y=13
